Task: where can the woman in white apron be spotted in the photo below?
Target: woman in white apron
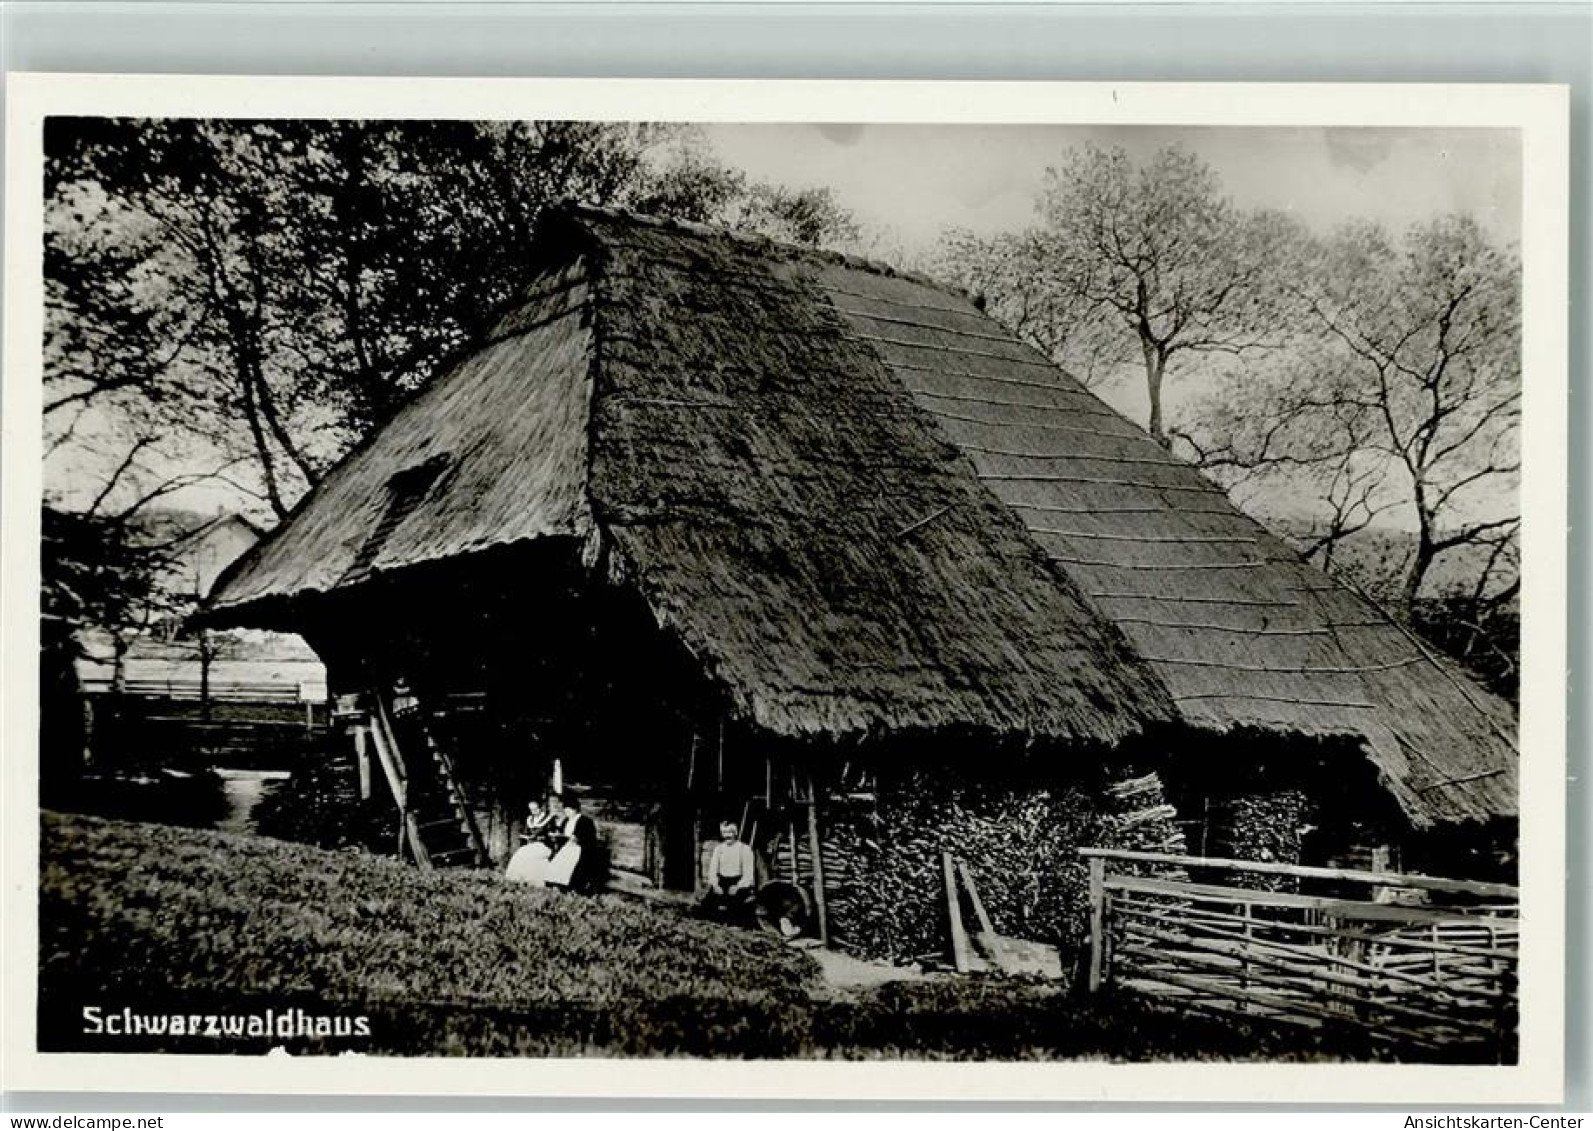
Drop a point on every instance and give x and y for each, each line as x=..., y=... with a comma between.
x=577, y=839
x=529, y=864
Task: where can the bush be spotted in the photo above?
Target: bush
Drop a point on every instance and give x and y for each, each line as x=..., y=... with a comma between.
x=191, y=800
x=320, y=806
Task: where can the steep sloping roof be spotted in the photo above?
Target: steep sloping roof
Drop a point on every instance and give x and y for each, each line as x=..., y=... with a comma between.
x=781, y=502
x=493, y=453
x=863, y=504
x=1241, y=631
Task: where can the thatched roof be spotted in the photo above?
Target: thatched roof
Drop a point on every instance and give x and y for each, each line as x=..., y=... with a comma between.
x=785, y=508
x=864, y=505
x=1242, y=631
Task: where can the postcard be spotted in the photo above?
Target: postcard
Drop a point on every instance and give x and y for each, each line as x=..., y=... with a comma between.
x=785, y=589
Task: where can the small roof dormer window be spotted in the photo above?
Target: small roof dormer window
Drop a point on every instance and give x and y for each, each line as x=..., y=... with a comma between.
x=405, y=490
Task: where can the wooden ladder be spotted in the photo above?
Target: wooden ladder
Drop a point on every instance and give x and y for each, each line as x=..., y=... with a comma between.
x=474, y=851
x=437, y=826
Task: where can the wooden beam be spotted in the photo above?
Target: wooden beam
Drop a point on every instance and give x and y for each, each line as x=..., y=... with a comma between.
x=362, y=761
x=815, y=847
x=1364, y=910
x=381, y=737
x=960, y=952
x=1354, y=875
x=1097, y=922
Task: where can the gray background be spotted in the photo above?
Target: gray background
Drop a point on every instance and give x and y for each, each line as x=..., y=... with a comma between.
x=1494, y=42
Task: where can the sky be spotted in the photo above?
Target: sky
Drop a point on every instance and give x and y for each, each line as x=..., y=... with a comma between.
x=909, y=183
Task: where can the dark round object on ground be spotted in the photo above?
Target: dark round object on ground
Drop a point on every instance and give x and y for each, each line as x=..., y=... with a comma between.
x=782, y=908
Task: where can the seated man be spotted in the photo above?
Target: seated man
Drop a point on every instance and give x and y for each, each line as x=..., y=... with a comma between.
x=732, y=879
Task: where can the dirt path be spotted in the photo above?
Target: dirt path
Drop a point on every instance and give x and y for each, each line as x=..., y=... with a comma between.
x=843, y=973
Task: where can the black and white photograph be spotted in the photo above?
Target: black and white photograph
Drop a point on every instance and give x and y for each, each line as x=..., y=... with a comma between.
x=1041, y=592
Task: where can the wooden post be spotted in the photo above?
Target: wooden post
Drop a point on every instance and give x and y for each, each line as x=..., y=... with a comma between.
x=959, y=934
x=1244, y=963
x=819, y=908
x=88, y=730
x=796, y=877
x=1097, y=922
x=362, y=762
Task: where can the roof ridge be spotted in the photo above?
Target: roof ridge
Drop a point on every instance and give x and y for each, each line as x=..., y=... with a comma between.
x=589, y=209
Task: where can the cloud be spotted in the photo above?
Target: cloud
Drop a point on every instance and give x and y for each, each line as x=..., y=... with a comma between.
x=841, y=133
x=1360, y=149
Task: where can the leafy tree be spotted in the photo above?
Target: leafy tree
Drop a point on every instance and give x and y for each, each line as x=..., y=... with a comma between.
x=281, y=286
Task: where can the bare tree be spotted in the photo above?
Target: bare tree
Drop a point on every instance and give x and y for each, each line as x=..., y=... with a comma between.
x=1022, y=279
x=1408, y=392
x=1164, y=259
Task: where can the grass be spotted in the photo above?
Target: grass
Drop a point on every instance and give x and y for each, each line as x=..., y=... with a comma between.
x=161, y=920
x=176, y=920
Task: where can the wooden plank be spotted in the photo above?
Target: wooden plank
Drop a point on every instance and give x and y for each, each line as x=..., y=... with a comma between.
x=387, y=756
x=362, y=763
x=998, y=950
x=960, y=952
x=1382, y=879
x=1097, y=922
x=417, y=845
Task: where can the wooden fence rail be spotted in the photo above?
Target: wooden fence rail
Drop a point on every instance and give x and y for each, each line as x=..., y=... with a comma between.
x=1420, y=960
x=228, y=691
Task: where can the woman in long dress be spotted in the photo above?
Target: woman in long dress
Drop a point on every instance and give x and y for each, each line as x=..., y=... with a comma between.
x=572, y=862
x=529, y=864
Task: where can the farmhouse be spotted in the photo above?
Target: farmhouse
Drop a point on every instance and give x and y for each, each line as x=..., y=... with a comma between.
x=719, y=526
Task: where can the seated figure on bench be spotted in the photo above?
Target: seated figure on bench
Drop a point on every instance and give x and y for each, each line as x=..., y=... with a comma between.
x=732, y=879
x=576, y=863
x=529, y=864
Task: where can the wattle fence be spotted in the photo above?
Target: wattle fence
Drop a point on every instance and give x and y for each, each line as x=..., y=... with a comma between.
x=1417, y=961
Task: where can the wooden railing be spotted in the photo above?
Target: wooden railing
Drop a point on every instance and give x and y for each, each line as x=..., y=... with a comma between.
x=1417, y=960
x=229, y=691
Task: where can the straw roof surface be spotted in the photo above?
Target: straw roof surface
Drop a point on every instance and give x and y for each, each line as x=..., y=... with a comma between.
x=864, y=505
x=1242, y=631
x=781, y=502
x=510, y=415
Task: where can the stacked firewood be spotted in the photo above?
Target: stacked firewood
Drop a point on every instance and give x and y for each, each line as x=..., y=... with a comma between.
x=1262, y=826
x=884, y=885
x=1140, y=819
